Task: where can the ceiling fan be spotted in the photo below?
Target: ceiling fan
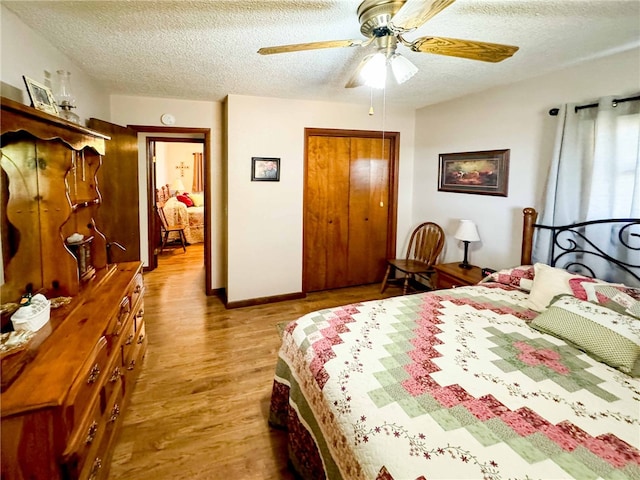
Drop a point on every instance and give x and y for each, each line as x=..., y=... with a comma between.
x=384, y=22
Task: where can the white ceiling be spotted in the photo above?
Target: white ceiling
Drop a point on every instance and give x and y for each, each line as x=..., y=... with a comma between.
x=205, y=50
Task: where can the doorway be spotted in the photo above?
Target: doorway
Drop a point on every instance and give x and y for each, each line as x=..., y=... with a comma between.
x=179, y=178
x=149, y=135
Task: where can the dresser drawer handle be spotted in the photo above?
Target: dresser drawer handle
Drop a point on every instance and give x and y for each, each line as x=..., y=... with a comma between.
x=140, y=313
x=129, y=340
x=95, y=468
x=115, y=375
x=91, y=433
x=140, y=339
x=138, y=289
x=132, y=365
x=94, y=374
x=115, y=412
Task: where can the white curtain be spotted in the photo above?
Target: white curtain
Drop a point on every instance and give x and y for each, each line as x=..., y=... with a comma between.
x=594, y=174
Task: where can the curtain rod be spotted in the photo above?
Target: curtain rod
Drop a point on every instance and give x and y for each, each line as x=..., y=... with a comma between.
x=554, y=111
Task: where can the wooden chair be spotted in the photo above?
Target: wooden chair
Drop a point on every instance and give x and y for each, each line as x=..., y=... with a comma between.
x=167, y=229
x=425, y=245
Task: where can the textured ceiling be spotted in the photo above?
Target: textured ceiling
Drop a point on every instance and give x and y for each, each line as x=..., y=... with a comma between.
x=205, y=50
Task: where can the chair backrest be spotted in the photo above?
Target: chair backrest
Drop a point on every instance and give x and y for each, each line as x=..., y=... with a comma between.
x=163, y=217
x=426, y=243
x=163, y=194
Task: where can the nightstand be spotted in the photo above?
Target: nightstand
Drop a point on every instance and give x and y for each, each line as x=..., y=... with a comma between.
x=450, y=275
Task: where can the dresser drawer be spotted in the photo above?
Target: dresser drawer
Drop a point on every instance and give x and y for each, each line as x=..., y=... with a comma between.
x=133, y=353
x=85, y=442
x=447, y=281
x=96, y=463
x=85, y=389
x=139, y=316
x=137, y=288
x=114, y=378
x=119, y=322
x=128, y=345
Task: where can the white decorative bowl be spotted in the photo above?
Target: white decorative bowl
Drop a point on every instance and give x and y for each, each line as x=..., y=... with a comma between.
x=34, y=316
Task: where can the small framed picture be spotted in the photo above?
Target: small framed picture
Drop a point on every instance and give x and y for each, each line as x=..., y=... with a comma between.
x=483, y=173
x=265, y=169
x=41, y=96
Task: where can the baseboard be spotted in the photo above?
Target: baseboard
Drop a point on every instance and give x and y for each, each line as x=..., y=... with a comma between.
x=262, y=300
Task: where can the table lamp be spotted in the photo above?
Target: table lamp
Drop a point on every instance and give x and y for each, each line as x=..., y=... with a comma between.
x=178, y=186
x=467, y=232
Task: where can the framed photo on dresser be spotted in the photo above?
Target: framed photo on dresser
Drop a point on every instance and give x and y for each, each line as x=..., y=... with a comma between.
x=41, y=96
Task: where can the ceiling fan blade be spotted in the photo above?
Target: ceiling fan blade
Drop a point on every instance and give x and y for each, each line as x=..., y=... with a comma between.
x=455, y=47
x=415, y=13
x=311, y=46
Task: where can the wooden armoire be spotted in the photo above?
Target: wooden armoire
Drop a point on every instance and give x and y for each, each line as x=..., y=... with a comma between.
x=349, y=207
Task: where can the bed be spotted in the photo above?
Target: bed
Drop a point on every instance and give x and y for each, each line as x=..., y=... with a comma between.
x=178, y=213
x=488, y=381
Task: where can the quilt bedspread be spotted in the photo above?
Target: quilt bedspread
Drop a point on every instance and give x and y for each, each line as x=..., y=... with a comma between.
x=450, y=384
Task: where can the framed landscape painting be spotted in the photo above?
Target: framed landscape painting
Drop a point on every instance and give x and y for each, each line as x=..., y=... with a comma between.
x=483, y=173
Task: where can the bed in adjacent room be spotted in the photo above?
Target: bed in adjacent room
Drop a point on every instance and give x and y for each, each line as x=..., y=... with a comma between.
x=185, y=209
x=533, y=373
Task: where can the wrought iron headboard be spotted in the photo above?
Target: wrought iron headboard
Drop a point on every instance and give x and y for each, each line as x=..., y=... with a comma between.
x=577, y=247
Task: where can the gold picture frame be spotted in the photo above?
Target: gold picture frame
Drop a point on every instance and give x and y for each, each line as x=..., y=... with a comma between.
x=483, y=173
x=41, y=96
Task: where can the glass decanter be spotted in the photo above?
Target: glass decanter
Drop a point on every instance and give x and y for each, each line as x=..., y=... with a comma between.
x=66, y=100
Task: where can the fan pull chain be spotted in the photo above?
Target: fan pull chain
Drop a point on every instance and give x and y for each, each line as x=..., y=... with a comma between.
x=371, y=103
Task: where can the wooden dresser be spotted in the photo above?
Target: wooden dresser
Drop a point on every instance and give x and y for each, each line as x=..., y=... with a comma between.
x=60, y=415
x=64, y=394
x=450, y=275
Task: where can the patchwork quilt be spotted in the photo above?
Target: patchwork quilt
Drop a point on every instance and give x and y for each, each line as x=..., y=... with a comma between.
x=450, y=384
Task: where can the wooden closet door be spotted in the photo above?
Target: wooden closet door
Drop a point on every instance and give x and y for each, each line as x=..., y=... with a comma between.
x=346, y=211
x=327, y=212
x=368, y=210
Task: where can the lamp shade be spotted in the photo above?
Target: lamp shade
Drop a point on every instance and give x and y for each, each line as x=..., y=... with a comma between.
x=467, y=231
x=402, y=68
x=177, y=185
x=374, y=71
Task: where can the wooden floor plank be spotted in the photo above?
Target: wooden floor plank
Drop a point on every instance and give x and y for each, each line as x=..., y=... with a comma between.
x=200, y=407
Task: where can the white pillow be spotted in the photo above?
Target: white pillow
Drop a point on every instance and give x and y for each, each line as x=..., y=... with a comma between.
x=547, y=283
x=197, y=198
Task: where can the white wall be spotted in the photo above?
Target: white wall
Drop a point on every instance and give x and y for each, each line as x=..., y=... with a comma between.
x=24, y=52
x=511, y=117
x=264, y=222
x=169, y=156
x=129, y=110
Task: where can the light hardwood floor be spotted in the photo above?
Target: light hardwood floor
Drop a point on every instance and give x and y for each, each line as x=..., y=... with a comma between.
x=200, y=407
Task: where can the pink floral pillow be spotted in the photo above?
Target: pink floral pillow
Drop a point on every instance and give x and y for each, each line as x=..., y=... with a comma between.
x=520, y=277
x=615, y=296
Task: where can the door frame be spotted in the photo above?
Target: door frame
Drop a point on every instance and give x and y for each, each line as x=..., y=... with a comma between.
x=394, y=163
x=173, y=134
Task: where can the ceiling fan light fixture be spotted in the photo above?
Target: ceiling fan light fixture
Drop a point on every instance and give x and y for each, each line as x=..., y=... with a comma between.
x=402, y=68
x=374, y=71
